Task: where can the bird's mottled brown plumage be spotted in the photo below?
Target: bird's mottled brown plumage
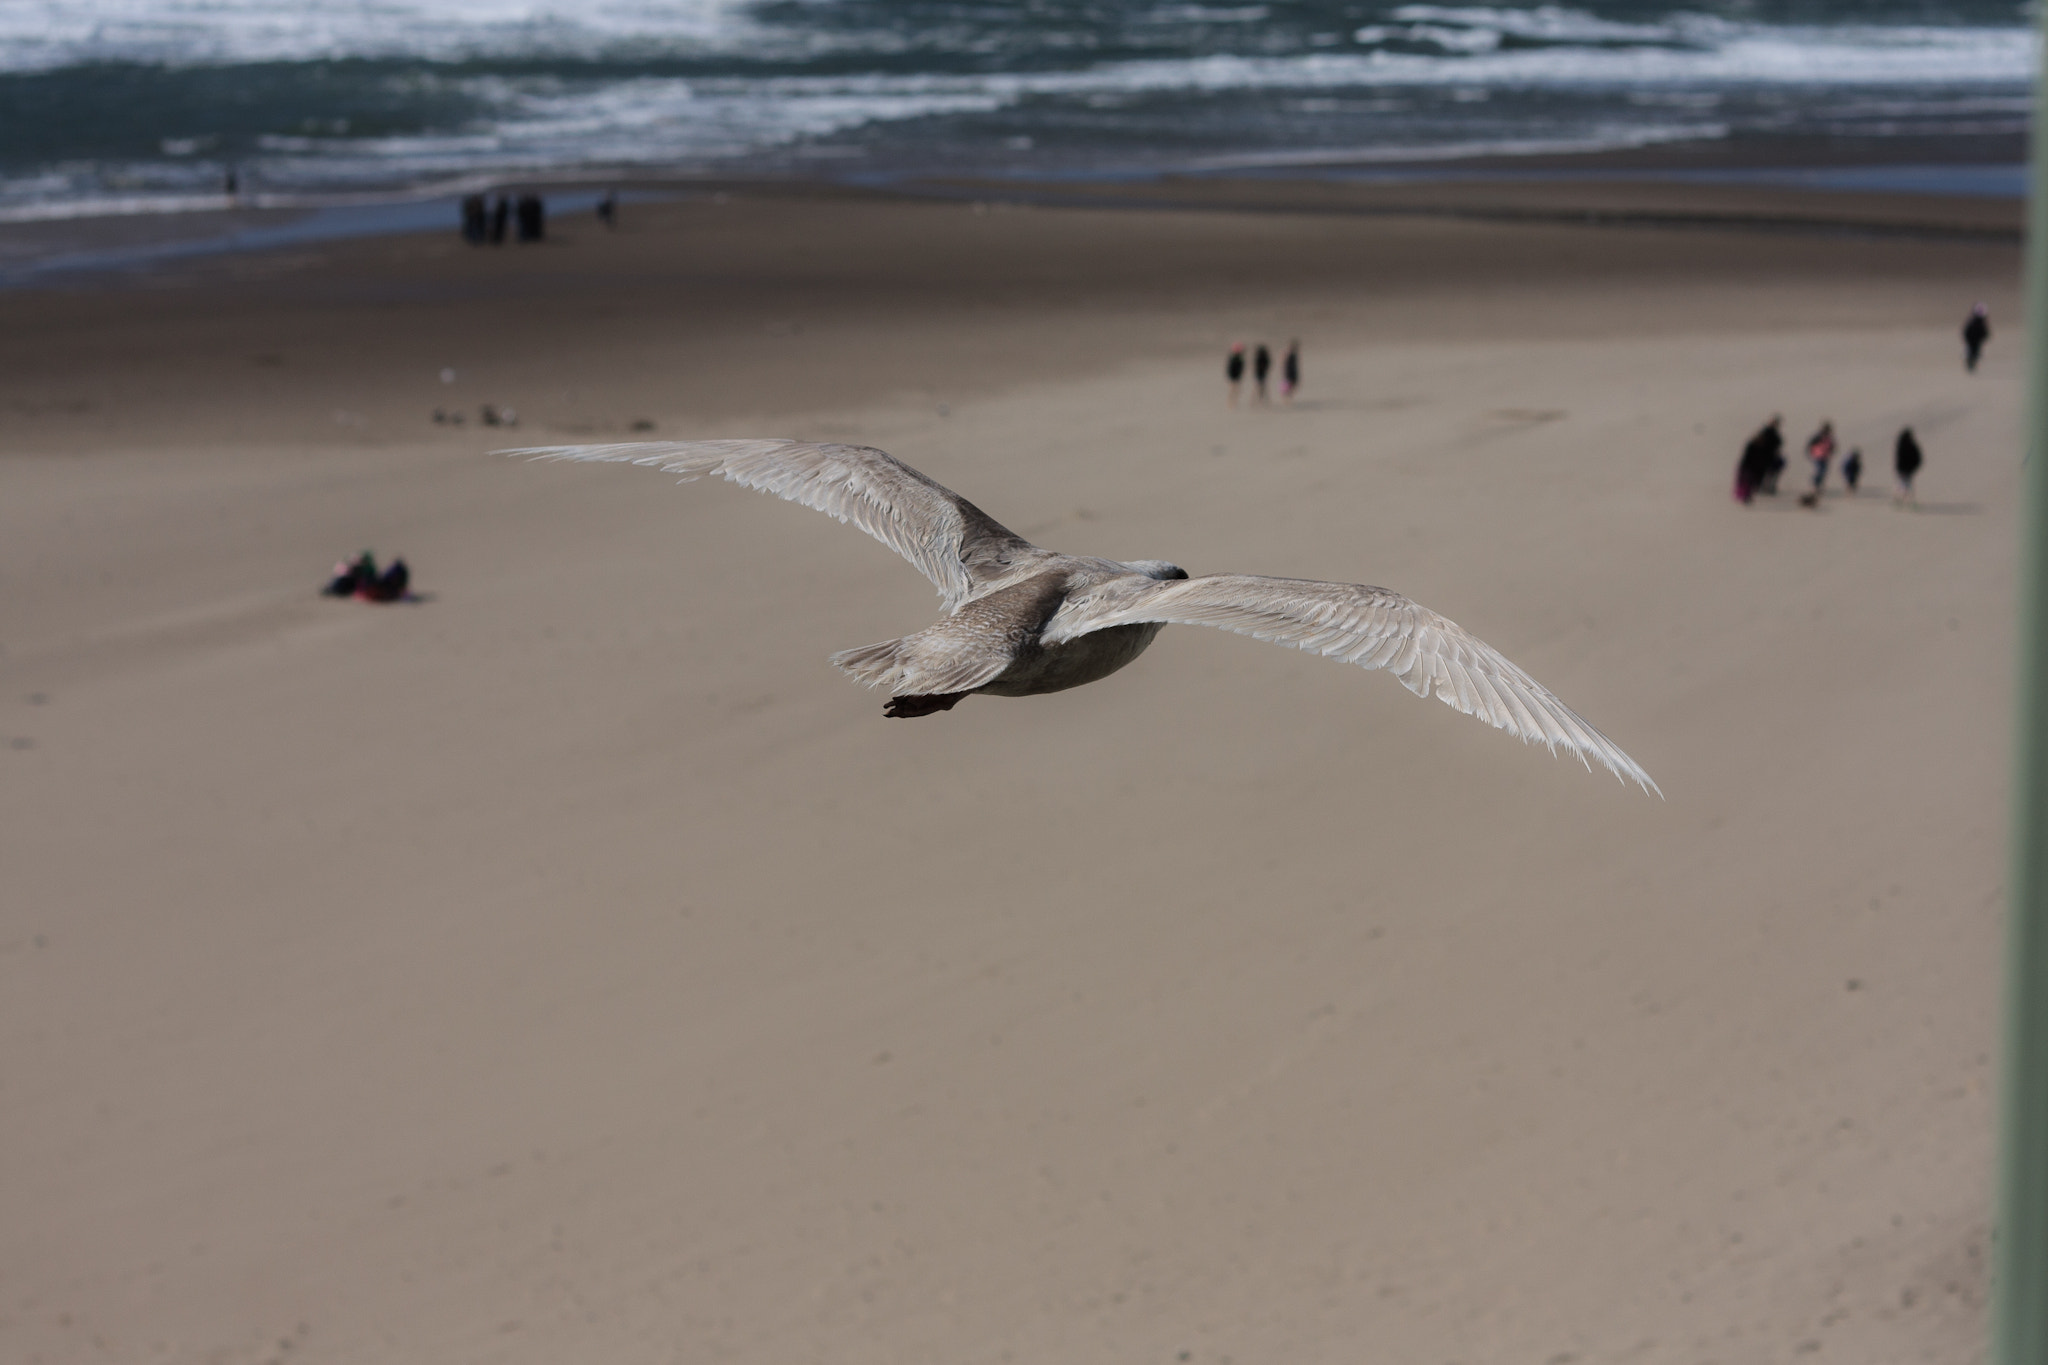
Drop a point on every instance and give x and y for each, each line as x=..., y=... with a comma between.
x=1022, y=620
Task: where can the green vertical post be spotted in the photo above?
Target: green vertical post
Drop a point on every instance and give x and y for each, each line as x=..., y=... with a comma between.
x=2019, y=1295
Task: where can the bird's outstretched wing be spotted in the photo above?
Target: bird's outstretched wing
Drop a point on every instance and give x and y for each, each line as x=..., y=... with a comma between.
x=955, y=544
x=1370, y=627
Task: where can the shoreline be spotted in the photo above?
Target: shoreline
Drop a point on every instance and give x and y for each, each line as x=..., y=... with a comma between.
x=1963, y=188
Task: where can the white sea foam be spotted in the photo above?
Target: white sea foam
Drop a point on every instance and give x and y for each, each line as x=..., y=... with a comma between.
x=1602, y=138
x=1571, y=45
x=1681, y=74
x=41, y=35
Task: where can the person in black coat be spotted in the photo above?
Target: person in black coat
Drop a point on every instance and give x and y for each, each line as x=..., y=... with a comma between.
x=531, y=217
x=1762, y=458
x=1233, y=370
x=1976, y=332
x=1906, y=461
x=1262, y=365
x=391, y=585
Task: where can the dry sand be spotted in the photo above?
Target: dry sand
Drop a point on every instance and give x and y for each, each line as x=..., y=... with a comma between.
x=573, y=967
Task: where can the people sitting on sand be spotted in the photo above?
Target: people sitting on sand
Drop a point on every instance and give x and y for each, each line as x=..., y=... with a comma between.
x=393, y=585
x=1233, y=369
x=359, y=577
x=1976, y=332
x=1906, y=461
x=1762, y=458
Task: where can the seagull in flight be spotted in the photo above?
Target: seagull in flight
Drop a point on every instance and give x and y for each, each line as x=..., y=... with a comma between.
x=1021, y=620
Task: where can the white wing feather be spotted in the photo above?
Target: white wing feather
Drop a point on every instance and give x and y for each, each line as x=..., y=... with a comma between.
x=1370, y=627
x=955, y=544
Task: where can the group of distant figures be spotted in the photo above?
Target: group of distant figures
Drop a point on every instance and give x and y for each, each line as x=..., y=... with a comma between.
x=1262, y=367
x=485, y=220
x=1763, y=459
x=360, y=578
x=490, y=414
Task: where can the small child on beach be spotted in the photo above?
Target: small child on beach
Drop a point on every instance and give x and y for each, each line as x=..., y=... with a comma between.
x=1820, y=449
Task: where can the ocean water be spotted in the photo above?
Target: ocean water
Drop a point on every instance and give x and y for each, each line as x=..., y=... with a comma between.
x=138, y=105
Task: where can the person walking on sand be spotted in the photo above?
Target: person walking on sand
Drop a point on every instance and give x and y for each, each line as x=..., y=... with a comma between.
x=1976, y=332
x=1757, y=461
x=1262, y=365
x=1906, y=461
x=1820, y=449
x=1290, y=371
x=1233, y=369
x=1852, y=469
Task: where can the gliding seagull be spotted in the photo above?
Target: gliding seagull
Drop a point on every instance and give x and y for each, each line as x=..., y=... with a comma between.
x=1021, y=620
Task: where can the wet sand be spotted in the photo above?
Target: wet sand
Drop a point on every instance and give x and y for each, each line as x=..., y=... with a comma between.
x=573, y=966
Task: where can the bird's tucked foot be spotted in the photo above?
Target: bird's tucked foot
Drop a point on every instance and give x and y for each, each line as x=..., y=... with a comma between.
x=922, y=706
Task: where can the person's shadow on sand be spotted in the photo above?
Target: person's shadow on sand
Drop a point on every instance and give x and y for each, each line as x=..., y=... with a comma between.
x=1801, y=505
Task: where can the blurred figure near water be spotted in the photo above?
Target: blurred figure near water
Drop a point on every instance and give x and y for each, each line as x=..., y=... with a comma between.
x=1976, y=332
x=1233, y=370
x=501, y=217
x=476, y=224
x=1290, y=371
x=608, y=210
x=532, y=218
x=1262, y=365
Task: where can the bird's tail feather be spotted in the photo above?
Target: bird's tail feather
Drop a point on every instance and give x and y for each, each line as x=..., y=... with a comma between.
x=926, y=663
x=873, y=665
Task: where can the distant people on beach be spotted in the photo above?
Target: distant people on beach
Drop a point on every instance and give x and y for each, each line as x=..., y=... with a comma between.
x=1762, y=458
x=1976, y=332
x=1820, y=450
x=1906, y=461
x=1233, y=370
x=231, y=184
x=476, y=220
x=608, y=210
x=1290, y=371
x=501, y=218
x=1852, y=469
x=1262, y=365
x=359, y=578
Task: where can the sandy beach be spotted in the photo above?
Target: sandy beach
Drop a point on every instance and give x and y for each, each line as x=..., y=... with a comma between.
x=571, y=966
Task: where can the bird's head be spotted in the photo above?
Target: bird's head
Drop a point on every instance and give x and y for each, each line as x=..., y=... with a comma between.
x=1158, y=568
